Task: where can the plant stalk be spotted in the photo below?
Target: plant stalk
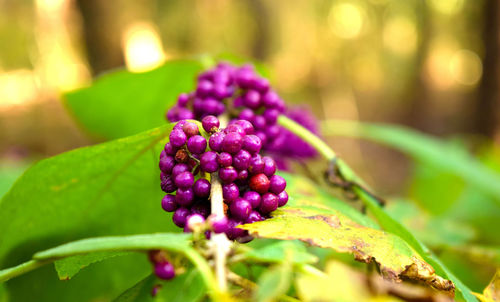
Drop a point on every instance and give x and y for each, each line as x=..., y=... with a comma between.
x=219, y=243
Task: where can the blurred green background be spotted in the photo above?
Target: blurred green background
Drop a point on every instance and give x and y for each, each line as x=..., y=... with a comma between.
x=432, y=65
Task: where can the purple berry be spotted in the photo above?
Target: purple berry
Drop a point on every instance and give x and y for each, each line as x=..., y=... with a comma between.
x=246, y=125
x=180, y=216
x=169, y=149
x=201, y=188
x=233, y=127
x=167, y=163
x=232, y=142
x=253, y=197
x=241, y=160
x=168, y=203
x=272, y=131
x=204, y=88
x=230, y=192
x=277, y=184
x=256, y=164
x=190, y=129
x=252, y=99
x=184, y=180
x=180, y=168
x=168, y=185
x=197, y=144
x=240, y=208
x=202, y=208
x=210, y=123
x=252, y=143
x=232, y=231
x=282, y=198
x=259, y=183
x=271, y=116
x=259, y=122
x=183, y=99
x=177, y=138
x=218, y=224
x=242, y=175
x=269, y=203
x=269, y=166
x=247, y=115
x=215, y=141
x=194, y=222
x=254, y=216
x=208, y=162
x=179, y=125
x=262, y=135
x=164, y=270
x=270, y=99
x=225, y=159
x=184, y=197
x=228, y=174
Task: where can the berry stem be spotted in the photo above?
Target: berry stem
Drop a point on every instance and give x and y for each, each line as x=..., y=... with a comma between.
x=220, y=243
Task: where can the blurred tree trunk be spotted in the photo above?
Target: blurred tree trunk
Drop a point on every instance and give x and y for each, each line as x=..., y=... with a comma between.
x=260, y=49
x=488, y=105
x=102, y=34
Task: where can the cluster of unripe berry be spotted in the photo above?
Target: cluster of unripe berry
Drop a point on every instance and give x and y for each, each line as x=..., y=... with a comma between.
x=242, y=94
x=251, y=190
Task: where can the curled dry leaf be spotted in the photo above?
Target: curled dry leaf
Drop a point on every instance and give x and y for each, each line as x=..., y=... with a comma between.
x=396, y=259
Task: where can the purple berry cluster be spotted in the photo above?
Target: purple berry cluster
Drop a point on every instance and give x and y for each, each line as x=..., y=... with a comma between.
x=251, y=190
x=242, y=94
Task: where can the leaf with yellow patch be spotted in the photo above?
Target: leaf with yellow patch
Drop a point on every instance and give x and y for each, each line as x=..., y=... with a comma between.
x=492, y=292
x=396, y=259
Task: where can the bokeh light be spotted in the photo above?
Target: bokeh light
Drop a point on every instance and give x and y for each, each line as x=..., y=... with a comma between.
x=346, y=20
x=447, y=7
x=400, y=35
x=466, y=67
x=142, y=46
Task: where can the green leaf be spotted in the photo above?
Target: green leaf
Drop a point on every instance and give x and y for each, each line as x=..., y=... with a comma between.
x=123, y=103
x=9, y=172
x=172, y=242
x=308, y=195
x=140, y=292
x=424, y=148
x=68, y=267
x=187, y=287
x=274, y=282
x=107, y=189
x=394, y=256
x=279, y=251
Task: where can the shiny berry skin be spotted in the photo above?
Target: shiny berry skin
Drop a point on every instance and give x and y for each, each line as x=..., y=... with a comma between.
x=168, y=203
x=184, y=197
x=252, y=197
x=180, y=168
x=201, y=188
x=241, y=160
x=259, y=183
x=180, y=216
x=246, y=126
x=232, y=231
x=179, y=125
x=164, y=270
x=252, y=143
x=269, y=203
x=197, y=144
x=242, y=175
x=277, y=184
x=177, y=138
x=169, y=149
x=254, y=216
x=252, y=99
x=230, y=192
x=215, y=141
x=240, y=208
x=232, y=142
x=190, y=129
x=210, y=123
x=282, y=198
x=218, y=224
x=224, y=159
x=246, y=115
x=269, y=166
x=167, y=163
x=235, y=128
x=228, y=174
x=184, y=180
x=256, y=164
x=168, y=185
x=208, y=162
